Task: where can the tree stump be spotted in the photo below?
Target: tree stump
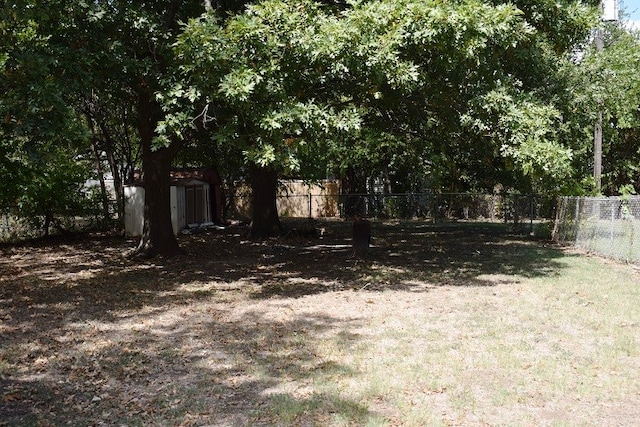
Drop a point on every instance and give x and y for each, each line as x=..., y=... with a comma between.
x=361, y=236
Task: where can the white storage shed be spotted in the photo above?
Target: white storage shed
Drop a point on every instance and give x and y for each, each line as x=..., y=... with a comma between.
x=190, y=206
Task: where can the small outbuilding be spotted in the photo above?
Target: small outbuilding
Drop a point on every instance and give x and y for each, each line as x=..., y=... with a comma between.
x=196, y=198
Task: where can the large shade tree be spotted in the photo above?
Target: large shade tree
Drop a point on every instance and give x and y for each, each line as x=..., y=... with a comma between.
x=133, y=41
x=448, y=76
x=267, y=87
x=92, y=55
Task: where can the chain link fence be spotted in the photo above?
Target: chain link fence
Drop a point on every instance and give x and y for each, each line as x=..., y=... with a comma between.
x=517, y=209
x=514, y=208
x=14, y=228
x=608, y=226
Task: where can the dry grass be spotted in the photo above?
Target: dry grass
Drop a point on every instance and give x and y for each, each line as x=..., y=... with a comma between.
x=437, y=325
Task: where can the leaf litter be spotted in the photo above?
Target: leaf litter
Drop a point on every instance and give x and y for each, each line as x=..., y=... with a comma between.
x=238, y=332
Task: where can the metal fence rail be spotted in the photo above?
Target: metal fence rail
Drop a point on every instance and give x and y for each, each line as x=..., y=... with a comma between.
x=516, y=208
x=14, y=228
x=608, y=226
x=513, y=208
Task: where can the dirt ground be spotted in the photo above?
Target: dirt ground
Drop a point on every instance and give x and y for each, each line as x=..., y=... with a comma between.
x=88, y=337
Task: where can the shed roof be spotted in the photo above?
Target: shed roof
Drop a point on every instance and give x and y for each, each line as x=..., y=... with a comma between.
x=180, y=176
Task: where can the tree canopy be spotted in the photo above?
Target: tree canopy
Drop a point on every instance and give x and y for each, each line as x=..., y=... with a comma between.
x=449, y=77
x=458, y=96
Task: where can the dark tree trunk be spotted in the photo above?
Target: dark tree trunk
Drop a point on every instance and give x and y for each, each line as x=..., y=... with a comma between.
x=47, y=224
x=157, y=236
x=361, y=236
x=117, y=183
x=264, y=217
x=354, y=189
x=104, y=195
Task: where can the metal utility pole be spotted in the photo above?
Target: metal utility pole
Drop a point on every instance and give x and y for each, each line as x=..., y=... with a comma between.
x=609, y=12
x=597, y=133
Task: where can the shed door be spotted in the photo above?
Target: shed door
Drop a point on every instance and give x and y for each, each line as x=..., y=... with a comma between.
x=194, y=205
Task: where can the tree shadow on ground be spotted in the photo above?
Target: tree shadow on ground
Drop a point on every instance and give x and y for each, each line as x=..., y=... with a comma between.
x=196, y=364
x=408, y=255
x=91, y=280
x=402, y=254
x=89, y=337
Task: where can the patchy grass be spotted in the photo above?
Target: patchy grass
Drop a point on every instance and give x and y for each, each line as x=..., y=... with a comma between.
x=458, y=324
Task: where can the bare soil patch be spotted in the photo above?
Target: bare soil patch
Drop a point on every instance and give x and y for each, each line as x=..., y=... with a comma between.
x=454, y=324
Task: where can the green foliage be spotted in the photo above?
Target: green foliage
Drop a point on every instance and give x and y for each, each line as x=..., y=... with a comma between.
x=527, y=130
x=627, y=191
x=55, y=187
x=443, y=81
x=41, y=135
x=481, y=117
x=608, y=82
x=265, y=77
x=48, y=189
x=543, y=230
x=461, y=95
